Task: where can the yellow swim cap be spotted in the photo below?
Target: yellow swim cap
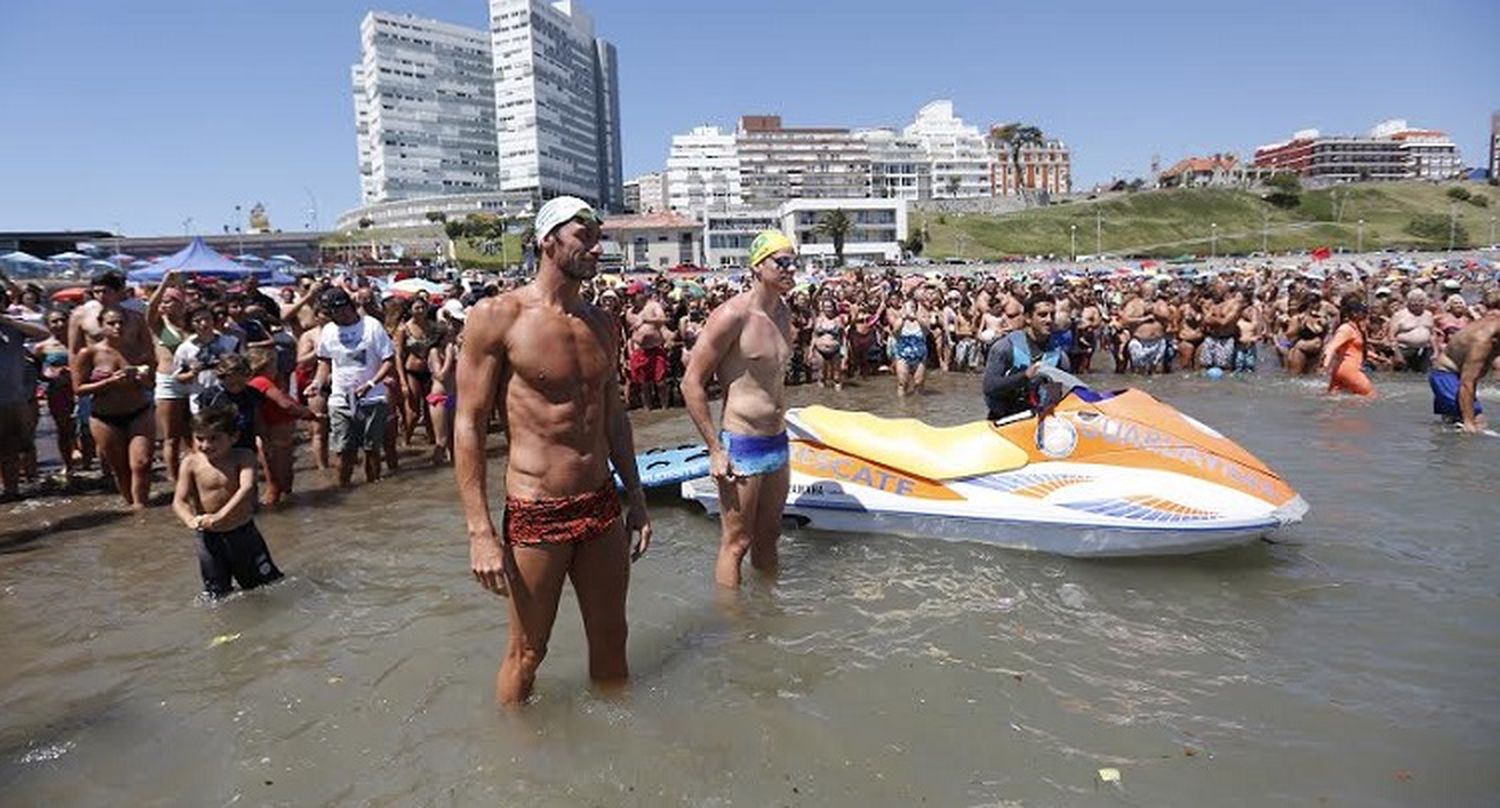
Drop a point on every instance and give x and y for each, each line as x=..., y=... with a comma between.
x=768, y=243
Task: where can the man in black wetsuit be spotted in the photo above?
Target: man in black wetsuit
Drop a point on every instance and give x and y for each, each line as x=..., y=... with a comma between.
x=1015, y=360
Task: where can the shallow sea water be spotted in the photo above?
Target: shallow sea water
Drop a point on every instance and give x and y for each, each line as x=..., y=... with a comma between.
x=1353, y=663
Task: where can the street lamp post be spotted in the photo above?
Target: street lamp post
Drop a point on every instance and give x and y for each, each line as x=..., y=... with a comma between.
x=1452, y=224
x=1214, y=239
x=187, y=225
x=1098, y=232
x=1492, y=230
x=1359, y=244
x=239, y=233
x=1073, y=242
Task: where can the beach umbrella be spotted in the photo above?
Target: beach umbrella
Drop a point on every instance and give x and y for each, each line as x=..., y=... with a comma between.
x=691, y=289
x=97, y=263
x=121, y=258
x=412, y=286
x=68, y=256
x=285, y=259
x=21, y=258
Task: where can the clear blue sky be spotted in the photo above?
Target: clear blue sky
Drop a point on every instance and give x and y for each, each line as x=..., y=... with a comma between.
x=146, y=112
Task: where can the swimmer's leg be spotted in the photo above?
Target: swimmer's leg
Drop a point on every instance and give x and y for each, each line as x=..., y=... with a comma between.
x=764, y=555
x=601, y=577
x=738, y=503
x=534, y=577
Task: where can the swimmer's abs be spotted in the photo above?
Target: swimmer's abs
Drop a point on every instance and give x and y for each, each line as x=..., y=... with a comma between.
x=554, y=471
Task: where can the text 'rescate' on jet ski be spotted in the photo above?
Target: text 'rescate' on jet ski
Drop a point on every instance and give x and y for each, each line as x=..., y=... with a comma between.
x=1095, y=474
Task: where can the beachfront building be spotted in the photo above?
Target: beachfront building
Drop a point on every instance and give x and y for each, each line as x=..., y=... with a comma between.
x=556, y=102
x=1390, y=151
x=879, y=226
x=654, y=240
x=1214, y=171
x=779, y=163
x=423, y=108
x=727, y=234
x=1430, y=154
x=959, y=158
x=703, y=172
x=1045, y=167
x=899, y=168
x=1495, y=147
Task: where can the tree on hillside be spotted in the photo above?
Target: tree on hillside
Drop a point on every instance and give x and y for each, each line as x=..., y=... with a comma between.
x=836, y=225
x=436, y=216
x=953, y=186
x=1286, y=190
x=365, y=222
x=913, y=245
x=1457, y=193
x=1014, y=137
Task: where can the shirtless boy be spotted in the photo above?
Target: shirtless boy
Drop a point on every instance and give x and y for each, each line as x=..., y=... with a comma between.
x=216, y=498
x=747, y=343
x=550, y=358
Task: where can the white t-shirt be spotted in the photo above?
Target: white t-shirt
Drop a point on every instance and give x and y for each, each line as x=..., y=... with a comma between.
x=207, y=354
x=355, y=352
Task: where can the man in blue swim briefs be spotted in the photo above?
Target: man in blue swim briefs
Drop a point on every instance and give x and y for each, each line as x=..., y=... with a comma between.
x=746, y=343
x=1456, y=372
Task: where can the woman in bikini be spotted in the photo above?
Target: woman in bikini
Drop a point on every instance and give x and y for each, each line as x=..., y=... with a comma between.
x=1305, y=330
x=828, y=342
x=909, y=333
x=52, y=357
x=863, y=334
x=307, y=370
x=1189, y=331
x=166, y=317
x=122, y=422
x=442, y=358
x=414, y=337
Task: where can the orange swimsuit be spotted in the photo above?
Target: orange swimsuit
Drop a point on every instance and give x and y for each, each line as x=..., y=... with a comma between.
x=1348, y=350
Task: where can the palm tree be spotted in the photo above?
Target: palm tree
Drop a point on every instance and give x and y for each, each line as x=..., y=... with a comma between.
x=836, y=225
x=1014, y=137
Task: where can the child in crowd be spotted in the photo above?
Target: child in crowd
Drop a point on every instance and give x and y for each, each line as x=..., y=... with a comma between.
x=231, y=388
x=278, y=425
x=216, y=497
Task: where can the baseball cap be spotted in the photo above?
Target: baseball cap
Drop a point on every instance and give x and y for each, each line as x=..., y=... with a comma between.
x=559, y=210
x=1452, y=283
x=334, y=299
x=454, y=310
x=1382, y=290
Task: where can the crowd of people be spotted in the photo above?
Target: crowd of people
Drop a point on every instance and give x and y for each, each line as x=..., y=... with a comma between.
x=122, y=372
x=224, y=381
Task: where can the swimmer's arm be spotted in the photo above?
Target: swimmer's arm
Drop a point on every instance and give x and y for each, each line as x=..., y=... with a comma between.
x=238, y=508
x=320, y=377
x=714, y=343
x=481, y=365
x=31, y=330
x=182, y=503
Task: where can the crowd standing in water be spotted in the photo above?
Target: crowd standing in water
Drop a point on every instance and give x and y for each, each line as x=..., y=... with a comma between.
x=229, y=379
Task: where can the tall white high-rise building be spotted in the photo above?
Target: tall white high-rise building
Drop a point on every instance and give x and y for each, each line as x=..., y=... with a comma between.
x=703, y=172
x=899, y=168
x=959, y=156
x=423, y=108
x=556, y=102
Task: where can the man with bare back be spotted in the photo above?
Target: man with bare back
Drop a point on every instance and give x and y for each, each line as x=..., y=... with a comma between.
x=746, y=343
x=550, y=358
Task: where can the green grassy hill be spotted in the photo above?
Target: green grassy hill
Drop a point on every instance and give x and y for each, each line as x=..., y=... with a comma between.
x=1176, y=222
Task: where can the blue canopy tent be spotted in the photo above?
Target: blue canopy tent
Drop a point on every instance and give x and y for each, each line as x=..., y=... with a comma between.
x=200, y=259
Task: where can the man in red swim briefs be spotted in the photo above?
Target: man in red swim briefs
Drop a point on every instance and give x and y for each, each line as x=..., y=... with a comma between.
x=650, y=364
x=551, y=359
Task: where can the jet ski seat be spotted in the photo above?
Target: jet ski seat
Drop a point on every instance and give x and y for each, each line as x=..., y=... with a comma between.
x=935, y=453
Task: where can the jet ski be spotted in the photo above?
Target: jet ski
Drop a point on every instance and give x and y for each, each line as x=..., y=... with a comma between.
x=1087, y=475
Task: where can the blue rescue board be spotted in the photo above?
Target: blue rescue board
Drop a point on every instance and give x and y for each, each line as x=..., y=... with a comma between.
x=670, y=465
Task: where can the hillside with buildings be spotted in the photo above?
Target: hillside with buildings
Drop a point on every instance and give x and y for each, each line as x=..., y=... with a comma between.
x=1209, y=221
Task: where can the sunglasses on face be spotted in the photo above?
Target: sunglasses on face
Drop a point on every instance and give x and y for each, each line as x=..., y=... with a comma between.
x=785, y=261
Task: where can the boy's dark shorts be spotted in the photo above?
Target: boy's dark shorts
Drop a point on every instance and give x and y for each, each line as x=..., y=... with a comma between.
x=240, y=553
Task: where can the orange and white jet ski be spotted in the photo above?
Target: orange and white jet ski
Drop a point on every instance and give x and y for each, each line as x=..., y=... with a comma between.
x=1117, y=474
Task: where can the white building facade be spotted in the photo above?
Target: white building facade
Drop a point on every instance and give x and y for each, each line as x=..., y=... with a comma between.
x=423, y=108
x=779, y=163
x=879, y=227
x=703, y=172
x=556, y=102
x=899, y=168
x=960, y=158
